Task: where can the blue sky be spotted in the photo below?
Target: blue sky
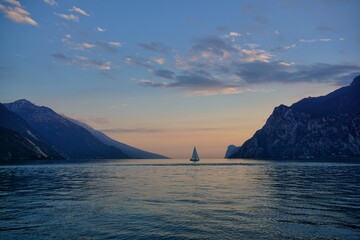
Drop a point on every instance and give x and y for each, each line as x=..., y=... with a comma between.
x=167, y=75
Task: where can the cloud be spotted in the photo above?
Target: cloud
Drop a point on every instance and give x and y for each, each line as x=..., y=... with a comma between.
x=87, y=120
x=320, y=40
x=197, y=79
x=159, y=60
x=99, y=29
x=214, y=91
x=132, y=130
x=164, y=73
x=115, y=44
x=308, y=40
x=253, y=55
x=82, y=61
x=218, y=65
x=236, y=76
x=149, y=83
x=284, y=72
x=155, y=46
x=111, y=47
x=13, y=2
x=197, y=82
x=69, y=17
x=137, y=61
x=17, y=13
x=61, y=57
x=86, y=45
x=284, y=48
x=232, y=35
x=212, y=46
x=89, y=63
x=290, y=46
x=79, y=10
x=96, y=120
x=161, y=130
x=51, y=2
x=209, y=52
x=286, y=64
x=180, y=62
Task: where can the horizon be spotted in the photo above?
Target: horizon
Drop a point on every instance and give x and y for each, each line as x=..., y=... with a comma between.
x=166, y=81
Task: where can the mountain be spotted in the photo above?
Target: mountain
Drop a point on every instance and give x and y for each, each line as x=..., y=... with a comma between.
x=128, y=150
x=15, y=146
x=19, y=141
x=317, y=127
x=231, y=150
x=345, y=100
x=64, y=135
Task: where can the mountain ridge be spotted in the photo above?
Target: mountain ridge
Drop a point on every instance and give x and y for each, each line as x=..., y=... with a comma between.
x=56, y=136
x=316, y=127
x=75, y=141
x=19, y=140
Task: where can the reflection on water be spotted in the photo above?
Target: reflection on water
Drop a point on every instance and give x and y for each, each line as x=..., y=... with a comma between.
x=175, y=199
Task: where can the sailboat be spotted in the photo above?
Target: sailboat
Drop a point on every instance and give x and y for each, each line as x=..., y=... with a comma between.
x=195, y=156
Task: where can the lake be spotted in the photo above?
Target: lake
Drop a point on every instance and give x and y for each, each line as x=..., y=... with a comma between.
x=177, y=199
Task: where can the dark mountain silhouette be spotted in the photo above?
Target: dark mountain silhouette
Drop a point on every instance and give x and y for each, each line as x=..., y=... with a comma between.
x=19, y=141
x=315, y=127
x=345, y=100
x=15, y=146
x=69, y=138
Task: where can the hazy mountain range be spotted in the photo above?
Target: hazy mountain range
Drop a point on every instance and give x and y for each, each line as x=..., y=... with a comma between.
x=28, y=131
x=315, y=127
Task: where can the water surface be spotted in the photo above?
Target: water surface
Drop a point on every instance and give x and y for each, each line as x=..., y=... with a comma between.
x=176, y=199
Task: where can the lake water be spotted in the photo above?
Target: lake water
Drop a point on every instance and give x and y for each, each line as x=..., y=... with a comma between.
x=176, y=199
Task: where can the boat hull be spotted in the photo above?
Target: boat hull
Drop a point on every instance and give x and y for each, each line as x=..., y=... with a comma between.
x=194, y=160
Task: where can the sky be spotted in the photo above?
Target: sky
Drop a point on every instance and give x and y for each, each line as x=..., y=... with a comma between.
x=166, y=76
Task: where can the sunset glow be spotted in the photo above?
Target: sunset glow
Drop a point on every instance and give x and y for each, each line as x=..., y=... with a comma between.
x=166, y=76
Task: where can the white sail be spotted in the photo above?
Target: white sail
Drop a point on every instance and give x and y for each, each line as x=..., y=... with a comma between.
x=195, y=156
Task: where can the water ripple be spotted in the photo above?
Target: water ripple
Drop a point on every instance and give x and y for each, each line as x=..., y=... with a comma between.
x=175, y=199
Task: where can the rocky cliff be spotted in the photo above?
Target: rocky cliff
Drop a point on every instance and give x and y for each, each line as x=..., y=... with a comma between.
x=320, y=128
